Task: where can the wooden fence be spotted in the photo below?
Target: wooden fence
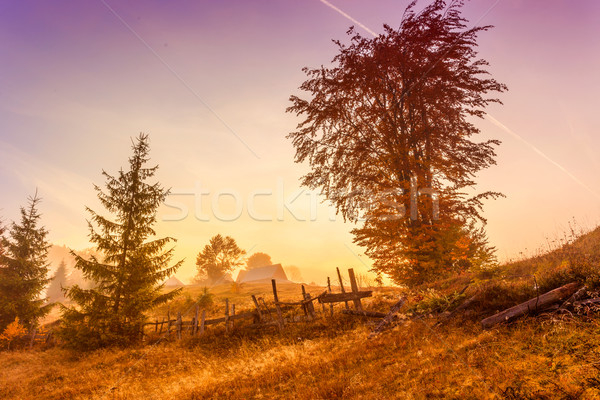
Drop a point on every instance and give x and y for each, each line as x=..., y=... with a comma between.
x=263, y=315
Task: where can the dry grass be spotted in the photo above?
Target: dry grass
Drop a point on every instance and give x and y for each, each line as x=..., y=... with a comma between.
x=533, y=358
x=327, y=360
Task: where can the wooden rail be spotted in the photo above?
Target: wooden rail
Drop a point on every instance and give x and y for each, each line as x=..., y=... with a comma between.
x=262, y=315
x=344, y=297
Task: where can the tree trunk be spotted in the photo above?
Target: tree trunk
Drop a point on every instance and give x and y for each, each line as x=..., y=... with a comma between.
x=533, y=305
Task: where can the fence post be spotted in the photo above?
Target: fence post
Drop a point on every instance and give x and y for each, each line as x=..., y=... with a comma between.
x=357, y=303
x=342, y=285
x=178, y=325
x=257, y=308
x=323, y=304
x=233, y=315
x=226, y=315
x=266, y=308
x=304, y=306
x=195, y=321
x=169, y=321
x=277, y=306
x=330, y=304
x=202, y=322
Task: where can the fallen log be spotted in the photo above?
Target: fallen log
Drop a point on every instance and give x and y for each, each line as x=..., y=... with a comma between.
x=587, y=302
x=537, y=303
x=388, y=318
x=578, y=295
x=466, y=304
x=374, y=314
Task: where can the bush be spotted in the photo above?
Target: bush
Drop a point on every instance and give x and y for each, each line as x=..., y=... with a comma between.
x=432, y=301
x=82, y=334
x=205, y=299
x=499, y=295
x=14, y=331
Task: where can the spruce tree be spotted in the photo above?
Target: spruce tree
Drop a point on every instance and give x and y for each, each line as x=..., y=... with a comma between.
x=128, y=278
x=24, y=269
x=59, y=282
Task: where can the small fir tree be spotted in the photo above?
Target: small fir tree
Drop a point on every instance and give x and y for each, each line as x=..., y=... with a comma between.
x=58, y=284
x=128, y=279
x=24, y=269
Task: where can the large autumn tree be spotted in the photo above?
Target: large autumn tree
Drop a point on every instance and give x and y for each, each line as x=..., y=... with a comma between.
x=220, y=256
x=127, y=280
x=390, y=124
x=24, y=268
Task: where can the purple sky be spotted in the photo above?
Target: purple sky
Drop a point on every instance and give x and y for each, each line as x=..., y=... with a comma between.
x=209, y=81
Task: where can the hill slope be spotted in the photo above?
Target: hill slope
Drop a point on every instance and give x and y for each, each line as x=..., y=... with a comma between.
x=425, y=356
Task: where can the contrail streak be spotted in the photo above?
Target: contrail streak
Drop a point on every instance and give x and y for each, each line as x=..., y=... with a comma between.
x=542, y=154
x=328, y=4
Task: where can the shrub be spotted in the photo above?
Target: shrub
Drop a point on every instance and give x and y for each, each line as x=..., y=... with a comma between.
x=435, y=301
x=14, y=331
x=206, y=298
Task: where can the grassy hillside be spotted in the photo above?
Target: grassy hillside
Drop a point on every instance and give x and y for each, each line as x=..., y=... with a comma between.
x=426, y=355
x=327, y=360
